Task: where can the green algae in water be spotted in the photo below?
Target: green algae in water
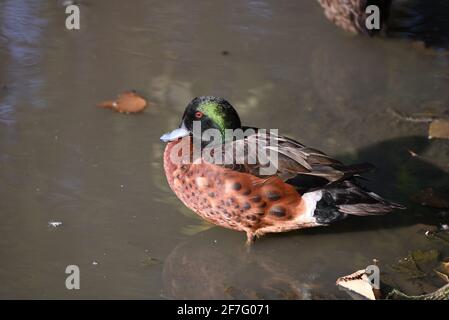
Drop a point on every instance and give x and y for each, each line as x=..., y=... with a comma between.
x=417, y=264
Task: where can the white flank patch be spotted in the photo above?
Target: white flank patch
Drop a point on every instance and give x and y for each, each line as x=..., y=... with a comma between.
x=311, y=199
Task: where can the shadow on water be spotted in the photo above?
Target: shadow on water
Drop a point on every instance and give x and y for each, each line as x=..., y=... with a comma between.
x=305, y=264
x=398, y=177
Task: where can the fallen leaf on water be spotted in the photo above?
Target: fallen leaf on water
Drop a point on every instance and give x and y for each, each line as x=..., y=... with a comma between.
x=127, y=102
x=358, y=285
x=430, y=198
x=439, y=129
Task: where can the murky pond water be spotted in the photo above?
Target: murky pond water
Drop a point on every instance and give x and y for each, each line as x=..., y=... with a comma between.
x=100, y=173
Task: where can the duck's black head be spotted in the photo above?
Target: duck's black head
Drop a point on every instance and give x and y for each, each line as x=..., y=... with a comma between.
x=208, y=111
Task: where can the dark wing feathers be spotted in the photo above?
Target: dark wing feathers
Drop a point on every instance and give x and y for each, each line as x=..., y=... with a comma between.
x=296, y=162
x=309, y=169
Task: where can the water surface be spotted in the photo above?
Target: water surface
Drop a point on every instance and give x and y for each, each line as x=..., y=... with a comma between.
x=100, y=173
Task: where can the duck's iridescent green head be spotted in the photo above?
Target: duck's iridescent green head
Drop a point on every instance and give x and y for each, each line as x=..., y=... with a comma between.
x=211, y=112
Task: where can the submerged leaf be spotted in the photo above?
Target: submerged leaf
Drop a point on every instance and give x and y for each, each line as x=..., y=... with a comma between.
x=417, y=264
x=424, y=258
x=193, y=229
x=439, y=129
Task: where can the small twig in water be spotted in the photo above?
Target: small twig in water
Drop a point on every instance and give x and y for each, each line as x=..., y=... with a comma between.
x=413, y=153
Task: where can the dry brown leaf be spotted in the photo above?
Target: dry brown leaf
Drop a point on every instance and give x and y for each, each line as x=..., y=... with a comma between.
x=359, y=284
x=127, y=102
x=439, y=129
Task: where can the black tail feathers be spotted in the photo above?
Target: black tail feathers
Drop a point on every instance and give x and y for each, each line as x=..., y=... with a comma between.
x=348, y=198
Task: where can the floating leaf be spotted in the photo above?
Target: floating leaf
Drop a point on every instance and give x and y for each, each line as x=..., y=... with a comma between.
x=127, y=102
x=358, y=285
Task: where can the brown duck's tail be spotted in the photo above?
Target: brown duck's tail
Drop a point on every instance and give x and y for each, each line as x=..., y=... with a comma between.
x=347, y=198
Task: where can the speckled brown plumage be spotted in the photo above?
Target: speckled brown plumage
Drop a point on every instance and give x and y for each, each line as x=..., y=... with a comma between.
x=347, y=14
x=235, y=200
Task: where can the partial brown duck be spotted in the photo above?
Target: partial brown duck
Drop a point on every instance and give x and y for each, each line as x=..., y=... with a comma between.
x=421, y=20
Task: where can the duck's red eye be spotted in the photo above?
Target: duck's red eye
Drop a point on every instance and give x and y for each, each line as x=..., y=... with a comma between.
x=198, y=114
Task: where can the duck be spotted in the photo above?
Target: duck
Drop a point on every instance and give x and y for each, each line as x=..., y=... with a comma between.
x=419, y=20
x=297, y=187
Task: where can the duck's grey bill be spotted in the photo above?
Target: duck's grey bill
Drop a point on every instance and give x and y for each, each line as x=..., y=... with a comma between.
x=175, y=134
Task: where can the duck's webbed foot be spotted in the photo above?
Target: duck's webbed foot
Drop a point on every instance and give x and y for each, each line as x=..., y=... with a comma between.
x=250, y=238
